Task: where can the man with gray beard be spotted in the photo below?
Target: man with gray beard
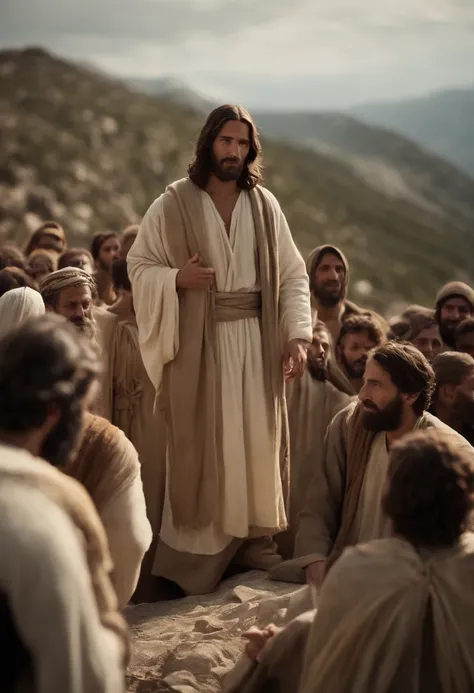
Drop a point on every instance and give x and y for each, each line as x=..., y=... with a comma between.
x=70, y=292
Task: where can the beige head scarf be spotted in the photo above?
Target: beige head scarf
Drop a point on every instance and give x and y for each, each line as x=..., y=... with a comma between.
x=18, y=305
x=315, y=258
x=455, y=289
x=64, y=279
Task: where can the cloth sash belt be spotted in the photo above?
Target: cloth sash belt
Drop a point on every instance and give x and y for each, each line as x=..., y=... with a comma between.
x=237, y=305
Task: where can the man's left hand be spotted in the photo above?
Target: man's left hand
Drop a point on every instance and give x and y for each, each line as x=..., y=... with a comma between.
x=294, y=358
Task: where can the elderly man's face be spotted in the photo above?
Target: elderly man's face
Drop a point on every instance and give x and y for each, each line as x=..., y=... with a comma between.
x=75, y=304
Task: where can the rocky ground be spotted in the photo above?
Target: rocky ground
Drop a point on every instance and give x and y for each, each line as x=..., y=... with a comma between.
x=188, y=645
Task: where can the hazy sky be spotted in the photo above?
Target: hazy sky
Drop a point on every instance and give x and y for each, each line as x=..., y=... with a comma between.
x=265, y=53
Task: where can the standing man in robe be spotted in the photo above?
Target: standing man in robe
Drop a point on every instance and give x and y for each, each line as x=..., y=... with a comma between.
x=343, y=504
x=454, y=303
x=222, y=303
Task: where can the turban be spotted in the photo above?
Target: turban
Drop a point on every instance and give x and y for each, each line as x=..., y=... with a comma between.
x=458, y=289
x=18, y=305
x=64, y=279
x=317, y=255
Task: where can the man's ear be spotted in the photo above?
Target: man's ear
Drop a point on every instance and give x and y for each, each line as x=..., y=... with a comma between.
x=410, y=398
x=49, y=309
x=52, y=418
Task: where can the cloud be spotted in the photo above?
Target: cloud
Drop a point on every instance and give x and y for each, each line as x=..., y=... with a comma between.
x=273, y=48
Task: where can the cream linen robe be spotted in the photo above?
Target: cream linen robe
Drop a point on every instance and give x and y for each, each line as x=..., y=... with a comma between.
x=45, y=579
x=252, y=485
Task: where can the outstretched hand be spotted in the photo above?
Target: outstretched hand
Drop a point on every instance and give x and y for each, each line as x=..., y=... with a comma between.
x=193, y=276
x=294, y=358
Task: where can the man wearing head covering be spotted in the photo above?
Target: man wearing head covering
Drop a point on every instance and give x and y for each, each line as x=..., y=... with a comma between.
x=453, y=401
x=70, y=292
x=454, y=303
x=419, y=327
x=342, y=506
x=107, y=462
x=18, y=305
x=60, y=628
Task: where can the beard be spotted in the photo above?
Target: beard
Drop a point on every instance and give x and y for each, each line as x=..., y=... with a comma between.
x=60, y=443
x=447, y=331
x=227, y=169
x=317, y=368
x=86, y=326
x=329, y=294
x=356, y=369
x=387, y=419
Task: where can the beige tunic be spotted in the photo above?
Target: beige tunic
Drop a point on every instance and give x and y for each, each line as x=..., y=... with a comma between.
x=252, y=486
x=47, y=584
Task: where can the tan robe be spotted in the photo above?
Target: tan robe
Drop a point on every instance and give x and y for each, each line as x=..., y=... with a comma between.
x=391, y=619
x=312, y=405
x=320, y=519
x=252, y=490
x=108, y=467
x=56, y=583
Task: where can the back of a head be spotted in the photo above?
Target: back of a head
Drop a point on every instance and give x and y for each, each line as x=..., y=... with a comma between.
x=11, y=256
x=430, y=493
x=451, y=367
x=409, y=370
x=410, y=324
x=44, y=362
x=67, y=258
x=19, y=305
x=465, y=327
x=128, y=238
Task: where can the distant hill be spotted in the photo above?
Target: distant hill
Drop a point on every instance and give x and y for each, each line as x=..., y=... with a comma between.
x=93, y=154
x=443, y=122
x=171, y=90
x=393, y=164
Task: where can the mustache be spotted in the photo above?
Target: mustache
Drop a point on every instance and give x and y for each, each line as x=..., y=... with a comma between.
x=230, y=160
x=368, y=404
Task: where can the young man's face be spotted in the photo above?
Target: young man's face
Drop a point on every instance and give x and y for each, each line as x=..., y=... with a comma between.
x=328, y=280
x=318, y=353
x=429, y=342
x=230, y=150
x=82, y=261
x=352, y=353
x=109, y=250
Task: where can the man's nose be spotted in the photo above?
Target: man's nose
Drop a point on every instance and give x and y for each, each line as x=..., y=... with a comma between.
x=79, y=312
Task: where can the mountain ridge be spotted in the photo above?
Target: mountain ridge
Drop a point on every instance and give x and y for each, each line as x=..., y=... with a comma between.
x=85, y=149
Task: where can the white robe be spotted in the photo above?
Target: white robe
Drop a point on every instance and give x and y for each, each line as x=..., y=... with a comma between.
x=252, y=485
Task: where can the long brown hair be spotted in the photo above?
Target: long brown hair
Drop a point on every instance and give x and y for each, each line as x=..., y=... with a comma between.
x=201, y=167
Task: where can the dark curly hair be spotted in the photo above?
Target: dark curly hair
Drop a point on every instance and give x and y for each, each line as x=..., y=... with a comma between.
x=356, y=324
x=201, y=167
x=430, y=492
x=409, y=371
x=44, y=363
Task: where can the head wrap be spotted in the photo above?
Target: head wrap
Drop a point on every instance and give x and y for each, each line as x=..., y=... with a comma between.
x=315, y=258
x=63, y=279
x=411, y=323
x=455, y=289
x=18, y=305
